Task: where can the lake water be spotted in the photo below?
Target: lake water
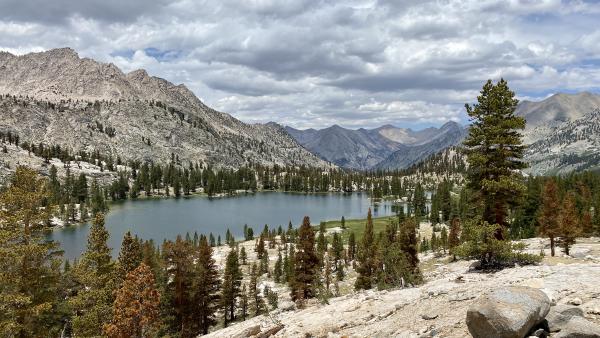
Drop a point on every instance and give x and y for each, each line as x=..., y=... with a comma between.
x=161, y=219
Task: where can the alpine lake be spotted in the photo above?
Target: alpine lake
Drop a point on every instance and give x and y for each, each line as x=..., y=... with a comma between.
x=165, y=218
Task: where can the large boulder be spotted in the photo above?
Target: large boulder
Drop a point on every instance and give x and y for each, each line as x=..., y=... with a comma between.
x=509, y=312
x=560, y=315
x=579, y=327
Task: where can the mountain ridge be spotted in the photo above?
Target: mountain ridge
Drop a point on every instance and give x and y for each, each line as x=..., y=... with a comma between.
x=365, y=149
x=153, y=119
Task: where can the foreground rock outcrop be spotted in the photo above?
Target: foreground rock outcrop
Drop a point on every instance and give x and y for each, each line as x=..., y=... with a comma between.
x=439, y=307
x=509, y=312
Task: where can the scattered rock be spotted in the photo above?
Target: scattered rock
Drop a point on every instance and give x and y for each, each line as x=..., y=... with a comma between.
x=475, y=266
x=540, y=333
x=429, y=316
x=461, y=297
x=560, y=315
x=268, y=333
x=579, y=327
x=287, y=306
x=509, y=312
x=249, y=332
x=575, y=301
x=387, y=313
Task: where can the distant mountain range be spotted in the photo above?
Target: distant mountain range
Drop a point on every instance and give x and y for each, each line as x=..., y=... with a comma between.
x=563, y=133
x=386, y=147
x=58, y=98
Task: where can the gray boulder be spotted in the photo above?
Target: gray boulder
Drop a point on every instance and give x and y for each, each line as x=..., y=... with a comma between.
x=579, y=327
x=560, y=315
x=509, y=312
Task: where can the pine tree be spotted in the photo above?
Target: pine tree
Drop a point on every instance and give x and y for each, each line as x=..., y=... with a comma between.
x=205, y=289
x=278, y=269
x=257, y=303
x=264, y=264
x=568, y=222
x=337, y=249
x=232, y=281
x=351, y=246
x=454, y=236
x=366, y=257
x=549, y=213
x=243, y=255
x=306, y=262
x=135, y=310
x=96, y=278
x=419, y=201
x=495, y=152
x=29, y=264
x=321, y=243
x=343, y=223
x=130, y=255
x=178, y=259
x=409, y=244
x=244, y=302
x=260, y=247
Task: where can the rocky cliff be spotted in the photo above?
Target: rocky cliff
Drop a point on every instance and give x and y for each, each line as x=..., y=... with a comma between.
x=56, y=97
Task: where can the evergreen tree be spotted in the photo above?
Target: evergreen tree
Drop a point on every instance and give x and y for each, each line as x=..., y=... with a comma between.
x=130, y=255
x=257, y=303
x=264, y=263
x=179, y=263
x=232, y=281
x=351, y=246
x=29, y=268
x=243, y=255
x=549, y=213
x=278, y=269
x=205, y=289
x=321, y=242
x=337, y=249
x=306, y=262
x=244, y=302
x=135, y=310
x=260, y=247
x=366, y=257
x=409, y=244
x=343, y=223
x=495, y=153
x=419, y=201
x=568, y=222
x=96, y=279
x=454, y=235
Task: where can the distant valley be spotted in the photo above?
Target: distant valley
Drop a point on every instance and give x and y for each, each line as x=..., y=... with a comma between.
x=386, y=147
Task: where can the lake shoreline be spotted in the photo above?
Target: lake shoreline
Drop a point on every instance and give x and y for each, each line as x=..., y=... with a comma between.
x=165, y=218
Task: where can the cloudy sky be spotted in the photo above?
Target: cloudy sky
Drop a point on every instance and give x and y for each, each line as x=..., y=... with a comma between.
x=313, y=63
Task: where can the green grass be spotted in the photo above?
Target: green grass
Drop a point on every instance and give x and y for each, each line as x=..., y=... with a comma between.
x=358, y=226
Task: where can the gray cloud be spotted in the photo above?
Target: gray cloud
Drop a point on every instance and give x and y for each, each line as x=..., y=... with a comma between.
x=57, y=11
x=312, y=63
